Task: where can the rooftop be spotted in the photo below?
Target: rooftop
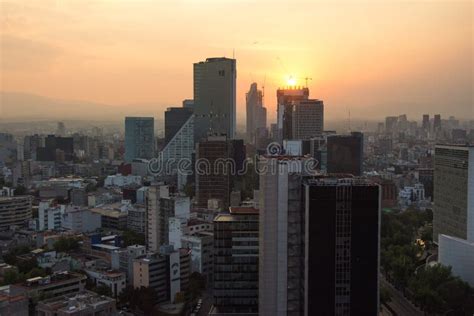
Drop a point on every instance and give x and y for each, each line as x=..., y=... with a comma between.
x=243, y=210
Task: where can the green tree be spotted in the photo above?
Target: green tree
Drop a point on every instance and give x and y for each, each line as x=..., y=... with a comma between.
x=64, y=244
x=130, y=237
x=385, y=295
x=20, y=190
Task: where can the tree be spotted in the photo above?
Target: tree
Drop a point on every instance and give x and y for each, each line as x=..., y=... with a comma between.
x=385, y=295
x=142, y=298
x=64, y=244
x=20, y=190
x=130, y=237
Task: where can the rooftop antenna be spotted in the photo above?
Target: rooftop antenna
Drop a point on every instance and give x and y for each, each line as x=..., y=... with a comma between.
x=306, y=80
x=263, y=89
x=350, y=129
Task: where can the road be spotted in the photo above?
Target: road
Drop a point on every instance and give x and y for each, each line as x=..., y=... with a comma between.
x=401, y=305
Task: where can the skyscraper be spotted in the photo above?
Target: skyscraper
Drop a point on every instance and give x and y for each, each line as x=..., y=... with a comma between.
x=215, y=97
x=453, y=214
x=139, y=138
x=345, y=153
x=341, y=246
x=437, y=122
x=174, y=120
x=236, y=261
x=286, y=98
x=426, y=122
x=308, y=119
x=390, y=123
x=256, y=112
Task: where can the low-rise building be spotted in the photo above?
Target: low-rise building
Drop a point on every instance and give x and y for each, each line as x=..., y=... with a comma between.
x=113, y=279
x=77, y=304
x=13, y=305
x=50, y=286
x=80, y=220
x=122, y=260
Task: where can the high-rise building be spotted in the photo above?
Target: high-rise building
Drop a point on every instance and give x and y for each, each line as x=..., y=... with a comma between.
x=175, y=118
x=61, y=129
x=213, y=178
x=31, y=144
x=453, y=214
x=236, y=254
x=180, y=147
x=188, y=103
x=308, y=119
x=437, y=122
x=139, y=138
x=454, y=191
x=281, y=237
x=426, y=122
x=215, y=97
x=391, y=123
x=56, y=147
x=345, y=153
x=286, y=98
x=341, y=246
x=256, y=112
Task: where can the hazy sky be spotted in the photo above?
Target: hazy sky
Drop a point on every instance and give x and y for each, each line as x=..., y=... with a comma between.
x=376, y=58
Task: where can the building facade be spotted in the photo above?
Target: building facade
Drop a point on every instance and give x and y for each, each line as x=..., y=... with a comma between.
x=342, y=235
x=15, y=211
x=215, y=97
x=345, y=154
x=236, y=260
x=139, y=138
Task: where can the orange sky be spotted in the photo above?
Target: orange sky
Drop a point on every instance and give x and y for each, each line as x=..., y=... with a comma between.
x=375, y=58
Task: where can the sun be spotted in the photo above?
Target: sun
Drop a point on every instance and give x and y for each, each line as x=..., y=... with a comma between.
x=291, y=81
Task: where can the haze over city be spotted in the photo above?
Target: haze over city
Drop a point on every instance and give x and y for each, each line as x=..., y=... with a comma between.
x=135, y=58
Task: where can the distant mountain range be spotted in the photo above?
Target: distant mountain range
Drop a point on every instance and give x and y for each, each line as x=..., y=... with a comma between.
x=23, y=106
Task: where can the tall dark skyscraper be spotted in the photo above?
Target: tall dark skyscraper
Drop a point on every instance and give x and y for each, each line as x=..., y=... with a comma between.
x=53, y=145
x=215, y=97
x=426, y=122
x=236, y=261
x=174, y=120
x=345, y=153
x=342, y=233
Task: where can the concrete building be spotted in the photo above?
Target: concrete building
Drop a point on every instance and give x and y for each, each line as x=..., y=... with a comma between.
x=120, y=181
x=122, y=260
x=236, y=262
x=167, y=273
x=113, y=279
x=215, y=97
x=50, y=286
x=136, y=218
x=80, y=220
x=341, y=246
x=453, y=214
x=139, y=138
x=77, y=304
x=161, y=205
x=201, y=247
x=114, y=215
x=14, y=211
x=50, y=215
x=13, y=305
x=281, y=252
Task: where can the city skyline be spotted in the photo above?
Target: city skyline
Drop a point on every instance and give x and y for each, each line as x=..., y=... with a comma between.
x=370, y=60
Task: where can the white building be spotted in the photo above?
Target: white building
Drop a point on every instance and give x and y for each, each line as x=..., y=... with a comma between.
x=49, y=215
x=202, y=246
x=80, y=220
x=123, y=260
x=115, y=280
x=176, y=230
x=119, y=180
